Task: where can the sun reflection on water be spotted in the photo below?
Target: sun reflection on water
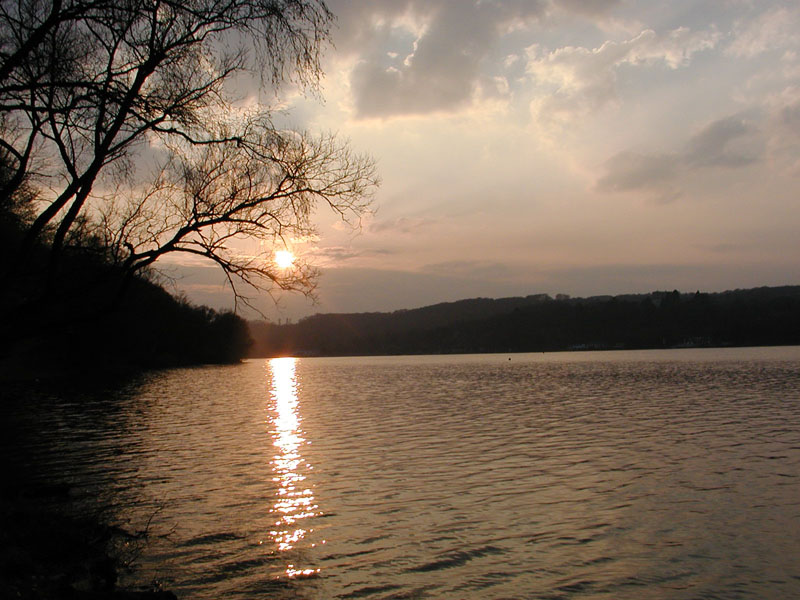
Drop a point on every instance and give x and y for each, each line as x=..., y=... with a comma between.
x=294, y=502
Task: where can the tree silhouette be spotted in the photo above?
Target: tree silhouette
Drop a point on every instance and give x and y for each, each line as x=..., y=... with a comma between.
x=121, y=116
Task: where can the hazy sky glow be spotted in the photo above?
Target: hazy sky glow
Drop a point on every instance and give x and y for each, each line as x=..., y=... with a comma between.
x=576, y=146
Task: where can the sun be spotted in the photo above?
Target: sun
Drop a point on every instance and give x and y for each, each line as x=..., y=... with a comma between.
x=284, y=259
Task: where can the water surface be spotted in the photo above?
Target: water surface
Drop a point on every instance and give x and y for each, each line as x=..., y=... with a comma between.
x=655, y=474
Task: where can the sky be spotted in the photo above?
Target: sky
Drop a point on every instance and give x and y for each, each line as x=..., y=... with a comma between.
x=583, y=147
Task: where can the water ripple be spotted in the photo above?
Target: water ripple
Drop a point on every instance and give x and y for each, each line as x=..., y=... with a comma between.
x=650, y=475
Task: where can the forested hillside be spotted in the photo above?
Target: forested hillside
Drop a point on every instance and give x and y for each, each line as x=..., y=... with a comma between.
x=760, y=316
x=80, y=319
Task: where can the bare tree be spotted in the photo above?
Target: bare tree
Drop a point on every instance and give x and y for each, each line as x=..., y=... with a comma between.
x=261, y=187
x=87, y=87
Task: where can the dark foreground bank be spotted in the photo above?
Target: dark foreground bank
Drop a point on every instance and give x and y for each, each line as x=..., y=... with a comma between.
x=52, y=545
x=50, y=550
x=88, y=316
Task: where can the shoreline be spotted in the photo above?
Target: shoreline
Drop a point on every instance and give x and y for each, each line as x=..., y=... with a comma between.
x=50, y=546
x=50, y=549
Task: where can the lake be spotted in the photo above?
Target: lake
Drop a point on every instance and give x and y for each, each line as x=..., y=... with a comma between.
x=649, y=474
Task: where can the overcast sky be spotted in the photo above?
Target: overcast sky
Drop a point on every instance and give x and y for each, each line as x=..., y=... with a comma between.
x=558, y=146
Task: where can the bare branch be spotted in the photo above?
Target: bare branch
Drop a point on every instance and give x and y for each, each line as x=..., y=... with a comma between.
x=95, y=82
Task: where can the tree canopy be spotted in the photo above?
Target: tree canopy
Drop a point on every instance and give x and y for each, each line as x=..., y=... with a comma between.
x=120, y=131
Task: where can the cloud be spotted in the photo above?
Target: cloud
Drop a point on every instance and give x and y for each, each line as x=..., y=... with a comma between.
x=788, y=117
x=576, y=81
x=715, y=145
x=333, y=256
x=439, y=52
x=415, y=57
x=773, y=29
x=712, y=145
x=591, y=8
x=630, y=171
x=401, y=225
x=784, y=133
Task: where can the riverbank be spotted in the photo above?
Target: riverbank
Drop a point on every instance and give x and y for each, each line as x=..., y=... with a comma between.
x=51, y=551
x=51, y=545
x=36, y=362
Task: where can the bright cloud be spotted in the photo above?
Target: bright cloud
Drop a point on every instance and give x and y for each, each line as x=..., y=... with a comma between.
x=575, y=81
x=778, y=27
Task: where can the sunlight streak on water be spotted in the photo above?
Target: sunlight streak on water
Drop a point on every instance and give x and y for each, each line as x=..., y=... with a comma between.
x=294, y=502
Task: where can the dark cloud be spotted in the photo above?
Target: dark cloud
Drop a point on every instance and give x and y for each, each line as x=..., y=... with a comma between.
x=712, y=146
x=340, y=254
x=784, y=138
x=788, y=117
x=438, y=71
x=731, y=142
x=588, y=7
x=632, y=171
x=401, y=225
x=653, y=173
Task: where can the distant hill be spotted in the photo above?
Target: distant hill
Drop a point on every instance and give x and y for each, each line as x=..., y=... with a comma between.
x=661, y=319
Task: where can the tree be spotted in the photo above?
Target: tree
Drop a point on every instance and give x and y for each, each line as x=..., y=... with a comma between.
x=121, y=115
x=261, y=186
